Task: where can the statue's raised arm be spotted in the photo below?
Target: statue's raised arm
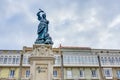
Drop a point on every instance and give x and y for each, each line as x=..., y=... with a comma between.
x=43, y=36
x=39, y=14
x=41, y=10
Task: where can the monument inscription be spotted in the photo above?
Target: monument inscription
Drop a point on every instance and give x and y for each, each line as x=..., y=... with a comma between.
x=41, y=72
x=41, y=69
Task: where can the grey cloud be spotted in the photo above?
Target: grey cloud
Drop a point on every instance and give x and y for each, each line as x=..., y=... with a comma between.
x=71, y=22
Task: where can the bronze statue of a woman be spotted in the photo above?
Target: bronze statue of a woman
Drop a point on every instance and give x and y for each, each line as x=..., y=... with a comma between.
x=43, y=36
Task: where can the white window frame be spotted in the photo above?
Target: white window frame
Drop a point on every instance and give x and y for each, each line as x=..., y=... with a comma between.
x=5, y=60
x=27, y=73
x=9, y=59
x=1, y=59
x=108, y=73
x=24, y=60
x=118, y=74
x=14, y=60
x=82, y=73
x=12, y=73
x=17, y=59
x=69, y=74
x=57, y=60
x=94, y=73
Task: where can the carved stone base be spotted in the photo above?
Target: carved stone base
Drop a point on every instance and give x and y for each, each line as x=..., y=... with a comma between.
x=41, y=62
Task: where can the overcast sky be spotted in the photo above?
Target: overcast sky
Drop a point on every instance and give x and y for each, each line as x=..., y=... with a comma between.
x=83, y=23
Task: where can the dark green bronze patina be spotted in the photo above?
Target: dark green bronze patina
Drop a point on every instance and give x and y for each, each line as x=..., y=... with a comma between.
x=43, y=36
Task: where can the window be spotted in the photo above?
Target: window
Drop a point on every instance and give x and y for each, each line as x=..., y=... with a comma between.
x=81, y=73
x=93, y=60
x=105, y=59
x=9, y=60
x=27, y=73
x=64, y=59
x=1, y=59
x=13, y=62
x=82, y=61
x=57, y=59
x=118, y=74
x=89, y=59
x=117, y=60
x=17, y=60
x=113, y=61
x=107, y=72
x=102, y=61
x=69, y=74
x=96, y=60
x=94, y=73
x=75, y=59
x=5, y=60
x=79, y=58
x=55, y=73
x=110, y=60
x=27, y=60
x=12, y=73
x=71, y=59
x=68, y=59
x=24, y=60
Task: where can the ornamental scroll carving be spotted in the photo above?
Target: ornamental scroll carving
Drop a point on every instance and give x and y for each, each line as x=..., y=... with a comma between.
x=42, y=51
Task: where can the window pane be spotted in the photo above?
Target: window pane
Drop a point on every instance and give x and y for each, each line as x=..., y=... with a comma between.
x=57, y=60
x=9, y=60
x=118, y=74
x=12, y=73
x=64, y=59
x=55, y=73
x=17, y=60
x=13, y=62
x=24, y=60
x=108, y=72
x=27, y=73
x=5, y=60
x=81, y=73
x=102, y=61
x=68, y=60
x=69, y=74
x=94, y=73
x=1, y=59
x=117, y=60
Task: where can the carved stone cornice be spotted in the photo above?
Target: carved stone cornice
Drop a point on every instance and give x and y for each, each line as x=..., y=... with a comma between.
x=42, y=50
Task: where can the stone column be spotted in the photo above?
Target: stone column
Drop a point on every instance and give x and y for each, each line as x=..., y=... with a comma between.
x=41, y=62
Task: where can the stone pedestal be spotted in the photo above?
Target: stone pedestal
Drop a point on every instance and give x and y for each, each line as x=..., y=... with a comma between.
x=41, y=62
